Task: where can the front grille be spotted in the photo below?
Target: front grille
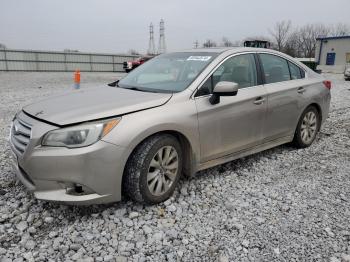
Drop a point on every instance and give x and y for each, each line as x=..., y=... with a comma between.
x=20, y=135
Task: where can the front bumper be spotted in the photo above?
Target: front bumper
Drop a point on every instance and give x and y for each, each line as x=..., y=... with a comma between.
x=54, y=173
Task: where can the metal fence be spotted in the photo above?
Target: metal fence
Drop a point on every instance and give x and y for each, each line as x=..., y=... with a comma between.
x=32, y=60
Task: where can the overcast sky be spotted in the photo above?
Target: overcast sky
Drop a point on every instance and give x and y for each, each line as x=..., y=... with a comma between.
x=119, y=25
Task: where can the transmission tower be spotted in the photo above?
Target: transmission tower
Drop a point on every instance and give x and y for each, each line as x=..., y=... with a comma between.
x=162, y=46
x=151, y=45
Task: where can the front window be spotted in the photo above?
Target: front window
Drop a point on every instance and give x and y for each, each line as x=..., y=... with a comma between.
x=240, y=69
x=168, y=73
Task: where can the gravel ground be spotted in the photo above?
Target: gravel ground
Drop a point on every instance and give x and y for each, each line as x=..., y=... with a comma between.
x=279, y=205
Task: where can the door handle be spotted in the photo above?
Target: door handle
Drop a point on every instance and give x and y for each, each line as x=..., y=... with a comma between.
x=259, y=100
x=301, y=90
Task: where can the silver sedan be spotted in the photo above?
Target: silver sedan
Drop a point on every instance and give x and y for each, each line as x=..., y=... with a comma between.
x=176, y=114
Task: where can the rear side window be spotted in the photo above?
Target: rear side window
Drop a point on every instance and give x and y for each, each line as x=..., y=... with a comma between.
x=275, y=68
x=295, y=71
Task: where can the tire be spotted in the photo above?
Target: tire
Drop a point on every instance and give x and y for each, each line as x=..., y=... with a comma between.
x=307, y=130
x=148, y=178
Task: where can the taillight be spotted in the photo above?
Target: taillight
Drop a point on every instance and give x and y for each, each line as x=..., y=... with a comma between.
x=327, y=84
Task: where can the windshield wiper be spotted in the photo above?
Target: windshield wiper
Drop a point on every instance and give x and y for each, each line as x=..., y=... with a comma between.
x=139, y=89
x=113, y=84
x=134, y=88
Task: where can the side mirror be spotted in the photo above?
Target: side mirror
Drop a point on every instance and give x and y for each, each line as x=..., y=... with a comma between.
x=223, y=88
x=113, y=84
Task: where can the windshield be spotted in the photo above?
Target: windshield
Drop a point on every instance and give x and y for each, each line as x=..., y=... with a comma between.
x=168, y=73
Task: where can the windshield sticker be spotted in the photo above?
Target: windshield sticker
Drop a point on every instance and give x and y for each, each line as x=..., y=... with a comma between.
x=199, y=58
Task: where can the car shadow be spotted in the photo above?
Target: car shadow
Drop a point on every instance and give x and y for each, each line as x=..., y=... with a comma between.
x=99, y=211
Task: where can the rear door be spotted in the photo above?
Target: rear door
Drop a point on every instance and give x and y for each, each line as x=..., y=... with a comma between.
x=236, y=122
x=284, y=87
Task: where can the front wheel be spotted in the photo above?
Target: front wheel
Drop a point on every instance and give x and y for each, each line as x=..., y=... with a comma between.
x=308, y=127
x=153, y=169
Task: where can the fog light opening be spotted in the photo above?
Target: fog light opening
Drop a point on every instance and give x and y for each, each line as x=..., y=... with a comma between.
x=78, y=188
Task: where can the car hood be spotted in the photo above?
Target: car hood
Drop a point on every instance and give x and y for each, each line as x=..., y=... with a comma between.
x=93, y=103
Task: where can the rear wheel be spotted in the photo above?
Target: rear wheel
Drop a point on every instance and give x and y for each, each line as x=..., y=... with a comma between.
x=153, y=169
x=308, y=126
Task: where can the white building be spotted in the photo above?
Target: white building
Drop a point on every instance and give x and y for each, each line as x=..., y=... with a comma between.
x=333, y=53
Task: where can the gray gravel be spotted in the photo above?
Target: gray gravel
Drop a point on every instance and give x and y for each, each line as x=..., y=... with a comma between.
x=279, y=205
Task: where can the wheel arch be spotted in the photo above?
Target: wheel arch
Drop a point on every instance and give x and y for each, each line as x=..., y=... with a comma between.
x=313, y=104
x=187, y=151
x=319, y=109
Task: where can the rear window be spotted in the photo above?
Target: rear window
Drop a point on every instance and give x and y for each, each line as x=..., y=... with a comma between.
x=295, y=71
x=275, y=68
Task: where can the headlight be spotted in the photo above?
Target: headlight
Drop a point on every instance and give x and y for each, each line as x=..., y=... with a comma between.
x=80, y=135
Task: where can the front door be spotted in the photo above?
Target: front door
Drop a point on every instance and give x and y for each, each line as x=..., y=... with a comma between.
x=236, y=122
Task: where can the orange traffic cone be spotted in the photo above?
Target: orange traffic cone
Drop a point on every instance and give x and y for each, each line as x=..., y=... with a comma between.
x=77, y=79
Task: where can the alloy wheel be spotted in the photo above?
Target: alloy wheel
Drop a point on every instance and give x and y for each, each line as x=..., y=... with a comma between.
x=308, y=127
x=162, y=170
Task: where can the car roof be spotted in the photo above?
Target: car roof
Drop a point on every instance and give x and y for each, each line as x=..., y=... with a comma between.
x=226, y=49
x=236, y=50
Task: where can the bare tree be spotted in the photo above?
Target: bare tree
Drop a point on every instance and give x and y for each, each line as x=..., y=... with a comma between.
x=292, y=46
x=340, y=29
x=226, y=42
x=209, y=43
x=280, y=34
x=307, y=35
